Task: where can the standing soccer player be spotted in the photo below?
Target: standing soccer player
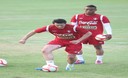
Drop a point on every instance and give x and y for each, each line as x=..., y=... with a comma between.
x=66, y=35
x=95, y=23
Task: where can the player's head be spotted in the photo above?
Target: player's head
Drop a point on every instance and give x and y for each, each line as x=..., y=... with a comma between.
x=59, y=23
x=90, y=9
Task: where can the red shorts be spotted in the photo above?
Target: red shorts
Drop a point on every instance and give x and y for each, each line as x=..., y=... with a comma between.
x=70, y=48
x=92, y=41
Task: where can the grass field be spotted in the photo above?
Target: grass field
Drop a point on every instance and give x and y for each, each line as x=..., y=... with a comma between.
x=17, y=17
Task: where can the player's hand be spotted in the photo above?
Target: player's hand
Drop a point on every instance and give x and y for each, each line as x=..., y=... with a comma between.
x=22, y=41
x=108, y=36
x=75, y=41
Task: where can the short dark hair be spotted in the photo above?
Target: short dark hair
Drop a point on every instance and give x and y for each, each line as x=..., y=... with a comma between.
x=92, y=6
x=59, y=21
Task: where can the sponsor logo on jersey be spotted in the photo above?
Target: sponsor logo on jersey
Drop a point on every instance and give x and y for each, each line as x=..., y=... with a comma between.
x=88, y=23
x=65, y=36
x=89, y=27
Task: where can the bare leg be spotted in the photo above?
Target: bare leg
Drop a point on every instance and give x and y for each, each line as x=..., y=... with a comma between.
x=70, y=59
x=80, y=59
x=99, y=50
x=99, y=53
x=47, y=53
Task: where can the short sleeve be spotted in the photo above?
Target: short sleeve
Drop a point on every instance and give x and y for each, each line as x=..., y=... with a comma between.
x=105, y=20
x=42, y=29
x=73, y=19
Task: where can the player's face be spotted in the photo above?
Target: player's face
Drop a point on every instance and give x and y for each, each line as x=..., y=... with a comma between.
x=89, y=10
x=60, y=25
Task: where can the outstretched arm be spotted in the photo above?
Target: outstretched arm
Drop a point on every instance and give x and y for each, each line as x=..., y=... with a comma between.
x=24, y=39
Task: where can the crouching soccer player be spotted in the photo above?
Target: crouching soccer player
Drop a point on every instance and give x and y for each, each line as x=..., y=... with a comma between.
x=66, y=35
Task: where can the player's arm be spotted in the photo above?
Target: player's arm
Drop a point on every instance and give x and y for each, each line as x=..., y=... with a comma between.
x=31, y=33
x=74, y=20
x=85, y=36
x=23, y=40
x=107, y=27
x=85, y=33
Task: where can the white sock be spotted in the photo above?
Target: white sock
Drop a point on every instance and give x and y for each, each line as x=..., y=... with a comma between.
x=80, y=57
x=99, y=57
x=51, y=62
x=70, y=65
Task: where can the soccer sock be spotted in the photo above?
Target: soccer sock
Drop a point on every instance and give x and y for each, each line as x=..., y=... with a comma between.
x=70, y=65
x=80, y=57
x=51, y=62
x=99, y=57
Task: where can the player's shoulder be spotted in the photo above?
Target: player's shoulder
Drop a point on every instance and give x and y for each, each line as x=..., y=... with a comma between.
x=69, y=25
x=100, y=15
x=52, y=26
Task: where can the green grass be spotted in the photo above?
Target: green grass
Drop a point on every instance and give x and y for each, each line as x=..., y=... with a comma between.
x=17, y=17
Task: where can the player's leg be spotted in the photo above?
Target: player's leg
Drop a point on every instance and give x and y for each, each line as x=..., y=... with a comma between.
x=72, y=50
x=47, y=53
x=48, y=56
x=71, y=58
x=99, y=50
x=79, y=56
x=99, y=53
x=80, y=59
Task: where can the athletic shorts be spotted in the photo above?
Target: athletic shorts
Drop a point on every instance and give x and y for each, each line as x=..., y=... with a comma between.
x=92, y=41
x=70, y=48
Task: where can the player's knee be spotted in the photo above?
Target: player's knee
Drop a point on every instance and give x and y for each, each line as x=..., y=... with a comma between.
x=44, y=51
x=80, y=52
x=71, y=57
x=98, y=47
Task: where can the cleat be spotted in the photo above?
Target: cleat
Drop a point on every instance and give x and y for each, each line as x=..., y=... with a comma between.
x=70, y=68
x=39, y=69
x=79, y=62
x=98, y=62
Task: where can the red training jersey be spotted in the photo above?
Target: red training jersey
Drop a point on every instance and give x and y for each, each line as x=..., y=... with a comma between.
x=92, y=23
x=69, y=32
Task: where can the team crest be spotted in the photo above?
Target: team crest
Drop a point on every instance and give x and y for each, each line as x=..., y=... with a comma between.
x=68, y=31
x=94, y=18
x=54, y=31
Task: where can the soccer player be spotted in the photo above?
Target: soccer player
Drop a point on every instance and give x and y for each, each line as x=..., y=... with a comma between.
x=95, y=23
x=66, y=35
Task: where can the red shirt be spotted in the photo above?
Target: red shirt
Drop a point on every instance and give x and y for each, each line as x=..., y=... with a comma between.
x=69, y=32
x=92, y=23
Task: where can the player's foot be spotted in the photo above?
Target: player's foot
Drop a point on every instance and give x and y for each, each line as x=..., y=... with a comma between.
x=39, y=68
x=79, y=62
x=69, y=68
x=98, y=62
